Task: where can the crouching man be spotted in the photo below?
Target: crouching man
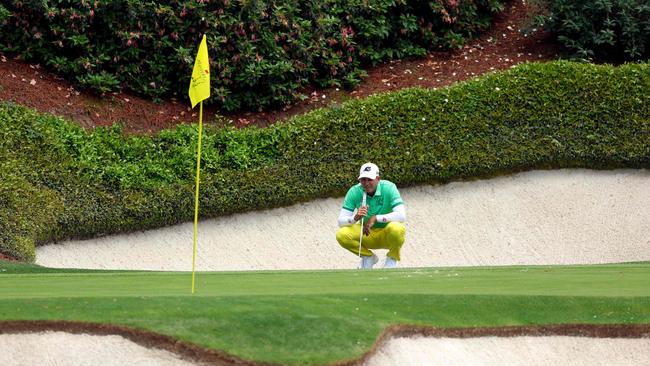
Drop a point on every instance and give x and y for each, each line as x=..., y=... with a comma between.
x=383, y=218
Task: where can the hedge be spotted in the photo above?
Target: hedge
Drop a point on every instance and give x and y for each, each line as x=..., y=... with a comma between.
x=261, y=52
x=70, y=183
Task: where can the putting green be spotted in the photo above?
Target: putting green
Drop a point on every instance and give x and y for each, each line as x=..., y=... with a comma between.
x=315, y=317
x=595, y=280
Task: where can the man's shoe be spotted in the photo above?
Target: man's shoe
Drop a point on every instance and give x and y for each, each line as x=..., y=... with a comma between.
x=368, y=262
x=390, y=263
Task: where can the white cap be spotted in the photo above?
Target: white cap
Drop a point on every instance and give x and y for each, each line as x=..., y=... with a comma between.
x=368, y=170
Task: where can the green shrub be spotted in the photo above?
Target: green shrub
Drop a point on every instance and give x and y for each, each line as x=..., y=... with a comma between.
x=601, y=29
x=28, y=212
x=553, y=115
x=4, y=15
x=261, y=52
x=102, y=82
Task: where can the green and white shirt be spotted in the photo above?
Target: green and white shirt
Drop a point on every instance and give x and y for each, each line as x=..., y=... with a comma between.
x=383, y=202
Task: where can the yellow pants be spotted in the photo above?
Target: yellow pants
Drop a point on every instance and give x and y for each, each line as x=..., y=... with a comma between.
x=390, y=237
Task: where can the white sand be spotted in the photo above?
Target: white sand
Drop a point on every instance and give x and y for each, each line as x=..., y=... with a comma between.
x=524, y=351
x=539, y=217
x=60, y=348
x=65, y=349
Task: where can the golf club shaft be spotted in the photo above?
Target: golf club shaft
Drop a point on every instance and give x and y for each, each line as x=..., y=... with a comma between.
x=363, y=203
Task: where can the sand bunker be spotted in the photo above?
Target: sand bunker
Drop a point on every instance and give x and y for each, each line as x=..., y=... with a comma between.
x=539, y=217
x=497, y=351
x=60, y=348
x=397, y=345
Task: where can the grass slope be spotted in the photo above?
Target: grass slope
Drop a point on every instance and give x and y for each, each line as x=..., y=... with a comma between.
x=315, y=317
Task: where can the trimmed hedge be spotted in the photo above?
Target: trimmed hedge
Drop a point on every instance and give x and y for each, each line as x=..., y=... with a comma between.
x=553, y=115
x=261, y=52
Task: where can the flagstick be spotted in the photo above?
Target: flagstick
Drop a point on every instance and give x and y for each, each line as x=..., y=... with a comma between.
x=196, y=198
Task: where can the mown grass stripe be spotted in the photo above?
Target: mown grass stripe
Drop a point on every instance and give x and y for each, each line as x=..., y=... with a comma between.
x=601, y=280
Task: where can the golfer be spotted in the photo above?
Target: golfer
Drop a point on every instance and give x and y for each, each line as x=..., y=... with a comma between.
x=383, y=219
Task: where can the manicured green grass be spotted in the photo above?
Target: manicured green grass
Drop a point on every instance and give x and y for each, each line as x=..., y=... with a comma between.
x=603, y=280
x=315, y=317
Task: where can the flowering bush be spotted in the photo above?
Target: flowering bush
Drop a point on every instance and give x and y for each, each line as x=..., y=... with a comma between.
x=601, y=29
x=261, y=52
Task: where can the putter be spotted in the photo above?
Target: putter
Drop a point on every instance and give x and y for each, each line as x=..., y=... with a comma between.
x=363, y=203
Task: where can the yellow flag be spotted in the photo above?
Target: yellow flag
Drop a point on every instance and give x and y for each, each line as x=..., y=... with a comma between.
x=200, y=83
